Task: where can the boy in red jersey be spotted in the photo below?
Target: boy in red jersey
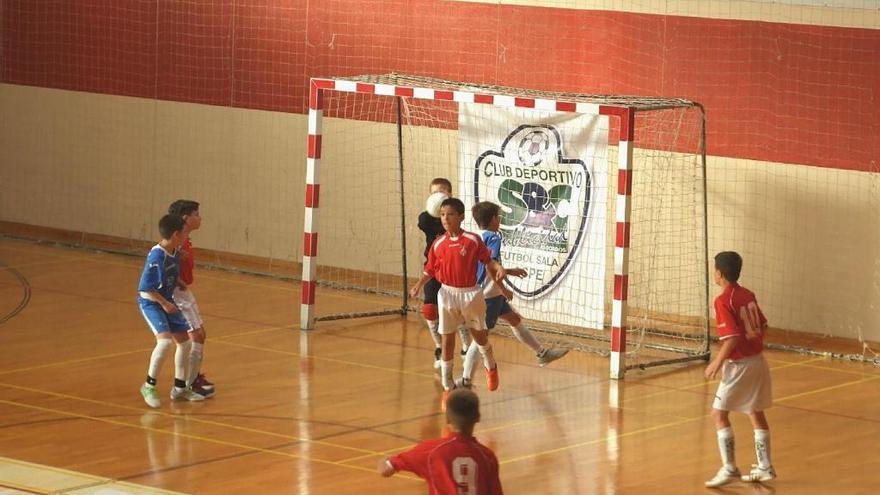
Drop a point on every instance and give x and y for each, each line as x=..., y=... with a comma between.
x=432, y=227
x=186, y=300
x=456, y=463
x=745, y=375
x=452, y=260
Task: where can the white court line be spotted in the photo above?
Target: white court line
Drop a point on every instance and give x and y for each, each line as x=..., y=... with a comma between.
x=47, y=479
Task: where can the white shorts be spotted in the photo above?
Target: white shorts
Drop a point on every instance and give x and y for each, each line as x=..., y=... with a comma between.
x=745, y=386
x=186, y=301
x=461, y=306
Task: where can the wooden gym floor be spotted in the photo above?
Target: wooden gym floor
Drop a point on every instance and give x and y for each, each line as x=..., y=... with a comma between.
x=300, y=413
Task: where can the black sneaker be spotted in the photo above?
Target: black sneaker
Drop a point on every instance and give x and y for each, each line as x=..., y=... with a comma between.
x=204, y=392
x=202, y=382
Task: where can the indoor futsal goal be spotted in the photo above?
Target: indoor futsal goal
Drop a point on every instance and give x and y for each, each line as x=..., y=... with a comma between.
x=603, y=201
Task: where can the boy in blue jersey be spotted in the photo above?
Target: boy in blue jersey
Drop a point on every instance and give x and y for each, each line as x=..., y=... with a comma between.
x=156, y=302
x=488, y=218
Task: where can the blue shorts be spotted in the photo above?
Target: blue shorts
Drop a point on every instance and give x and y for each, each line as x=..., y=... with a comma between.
x=160, y=321
x=495, y=307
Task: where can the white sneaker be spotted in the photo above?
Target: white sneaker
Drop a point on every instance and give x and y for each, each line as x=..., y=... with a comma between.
x=151, y=397
x=757, y=475
x=723, y=477
x=185, y=394
x=551, y=355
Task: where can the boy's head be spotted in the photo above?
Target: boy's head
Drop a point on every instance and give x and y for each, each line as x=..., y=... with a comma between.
x=462, y=410
x=728, y=265
x=441, y=184
x=451, y=214
x=188, y=210
x=485, y=213
x=170, y=227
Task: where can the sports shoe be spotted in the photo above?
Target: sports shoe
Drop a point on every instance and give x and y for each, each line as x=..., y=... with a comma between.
x=204, y=392
x=492, y=379
x=185, y=394
x=550, y=355
x=757, y=475
x=203, y=382
x=723, y=477
x=464, y=383
x=438, y=357
x=151, y=397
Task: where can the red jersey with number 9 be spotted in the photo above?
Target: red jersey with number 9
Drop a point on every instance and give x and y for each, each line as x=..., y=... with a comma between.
x=738, y=315
x=452, y=465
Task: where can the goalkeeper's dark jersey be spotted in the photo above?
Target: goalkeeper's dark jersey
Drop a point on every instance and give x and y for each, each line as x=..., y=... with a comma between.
x=432, y=227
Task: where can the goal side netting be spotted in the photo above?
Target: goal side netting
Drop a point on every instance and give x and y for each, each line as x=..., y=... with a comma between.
x=602, y=198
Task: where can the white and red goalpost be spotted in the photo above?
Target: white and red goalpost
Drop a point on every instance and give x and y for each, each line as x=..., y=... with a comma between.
x=393, y=133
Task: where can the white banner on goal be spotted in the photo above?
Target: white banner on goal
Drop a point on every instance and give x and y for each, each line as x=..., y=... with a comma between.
x=548, y=171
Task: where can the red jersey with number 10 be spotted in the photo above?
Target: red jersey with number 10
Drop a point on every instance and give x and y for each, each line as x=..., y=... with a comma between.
x=452, y=465
x=453, y=260
x=738, y=315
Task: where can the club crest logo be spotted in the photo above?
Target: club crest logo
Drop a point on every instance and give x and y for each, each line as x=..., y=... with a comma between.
x=545, y=204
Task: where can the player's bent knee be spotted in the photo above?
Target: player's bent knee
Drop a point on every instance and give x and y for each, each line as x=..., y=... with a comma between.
x=430, y=312
x=198, y=335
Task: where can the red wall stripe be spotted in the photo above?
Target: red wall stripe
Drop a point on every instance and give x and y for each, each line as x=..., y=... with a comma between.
x=776, y=92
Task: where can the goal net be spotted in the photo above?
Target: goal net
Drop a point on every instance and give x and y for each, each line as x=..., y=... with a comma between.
x=603, y=202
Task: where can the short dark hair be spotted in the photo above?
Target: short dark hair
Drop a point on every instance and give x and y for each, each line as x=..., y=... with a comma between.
x=730, y=264
x=442, y=181
x=455, y=203
x=183, y=207
x=484, y=212
x=462, y=408
x=169, y=224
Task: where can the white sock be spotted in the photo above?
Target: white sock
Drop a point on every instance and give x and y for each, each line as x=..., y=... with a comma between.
x=433, y=325
x=446, y=374
x=158, y=357
x=762, y=448
x=524, y=335
x=195, y=362
x=488, y=356
x=470, y=362
x=726, y=447
x=181, y=357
